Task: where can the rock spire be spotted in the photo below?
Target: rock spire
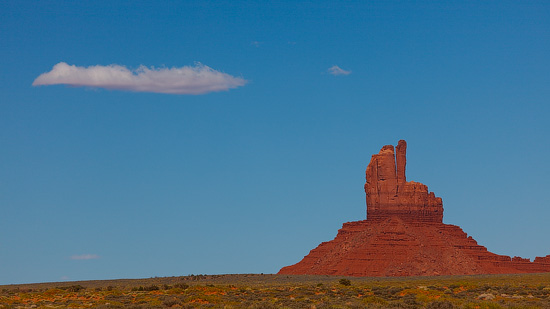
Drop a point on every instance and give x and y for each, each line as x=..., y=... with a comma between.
x=389, y=194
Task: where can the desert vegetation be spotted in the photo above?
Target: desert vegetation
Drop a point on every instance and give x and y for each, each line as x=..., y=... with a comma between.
x=281, y=291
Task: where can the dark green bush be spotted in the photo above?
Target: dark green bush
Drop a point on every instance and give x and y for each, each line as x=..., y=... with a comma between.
x=345, y=282
x=182, y=286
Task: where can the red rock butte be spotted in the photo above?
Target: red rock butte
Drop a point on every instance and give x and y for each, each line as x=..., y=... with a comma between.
x=404, y=234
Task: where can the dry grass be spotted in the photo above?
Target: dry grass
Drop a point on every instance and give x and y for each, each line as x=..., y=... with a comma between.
x=282, y=291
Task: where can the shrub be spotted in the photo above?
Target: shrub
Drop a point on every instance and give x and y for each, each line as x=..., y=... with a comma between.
x=374, y=300
x=345, y=282
x=263, y=305
x=410, y=299
x=440, y=305
x=146, y=288
x=172, y=302
x=73, y=288
x=182, y=286
x=395, y=290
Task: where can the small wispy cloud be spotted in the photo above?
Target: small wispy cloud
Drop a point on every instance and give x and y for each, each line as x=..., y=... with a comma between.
x=85, y=257
x=198, y=79
x=256, y=43
x=336, y=70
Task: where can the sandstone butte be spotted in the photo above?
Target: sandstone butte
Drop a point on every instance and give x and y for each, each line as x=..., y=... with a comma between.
x=404, y=234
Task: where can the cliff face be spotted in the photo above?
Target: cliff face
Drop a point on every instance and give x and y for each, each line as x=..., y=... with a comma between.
x=404, y=234
x=389, y=194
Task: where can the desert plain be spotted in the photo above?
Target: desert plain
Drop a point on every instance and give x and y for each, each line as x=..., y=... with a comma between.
x=287, y=291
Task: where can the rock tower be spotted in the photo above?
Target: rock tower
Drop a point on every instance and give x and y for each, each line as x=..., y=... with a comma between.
x=389, y=194
x=404, y=234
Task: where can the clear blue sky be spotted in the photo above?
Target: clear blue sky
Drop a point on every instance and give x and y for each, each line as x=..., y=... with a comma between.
x=104, y=183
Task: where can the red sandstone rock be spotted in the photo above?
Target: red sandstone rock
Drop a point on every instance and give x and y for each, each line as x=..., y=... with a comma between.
x=404, y=234
x=389, y=193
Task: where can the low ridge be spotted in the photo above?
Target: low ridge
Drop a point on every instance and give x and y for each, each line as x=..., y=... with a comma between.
x=404, y=234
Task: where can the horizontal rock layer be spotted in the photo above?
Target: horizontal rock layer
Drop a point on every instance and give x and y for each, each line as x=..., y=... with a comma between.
x=394, y=247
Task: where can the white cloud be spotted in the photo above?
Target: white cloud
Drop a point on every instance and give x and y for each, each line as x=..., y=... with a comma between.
x=199, y=79
x=85, y=257
x=336, y=70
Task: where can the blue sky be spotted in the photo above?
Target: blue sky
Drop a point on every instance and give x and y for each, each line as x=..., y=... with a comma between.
x=103, y=183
